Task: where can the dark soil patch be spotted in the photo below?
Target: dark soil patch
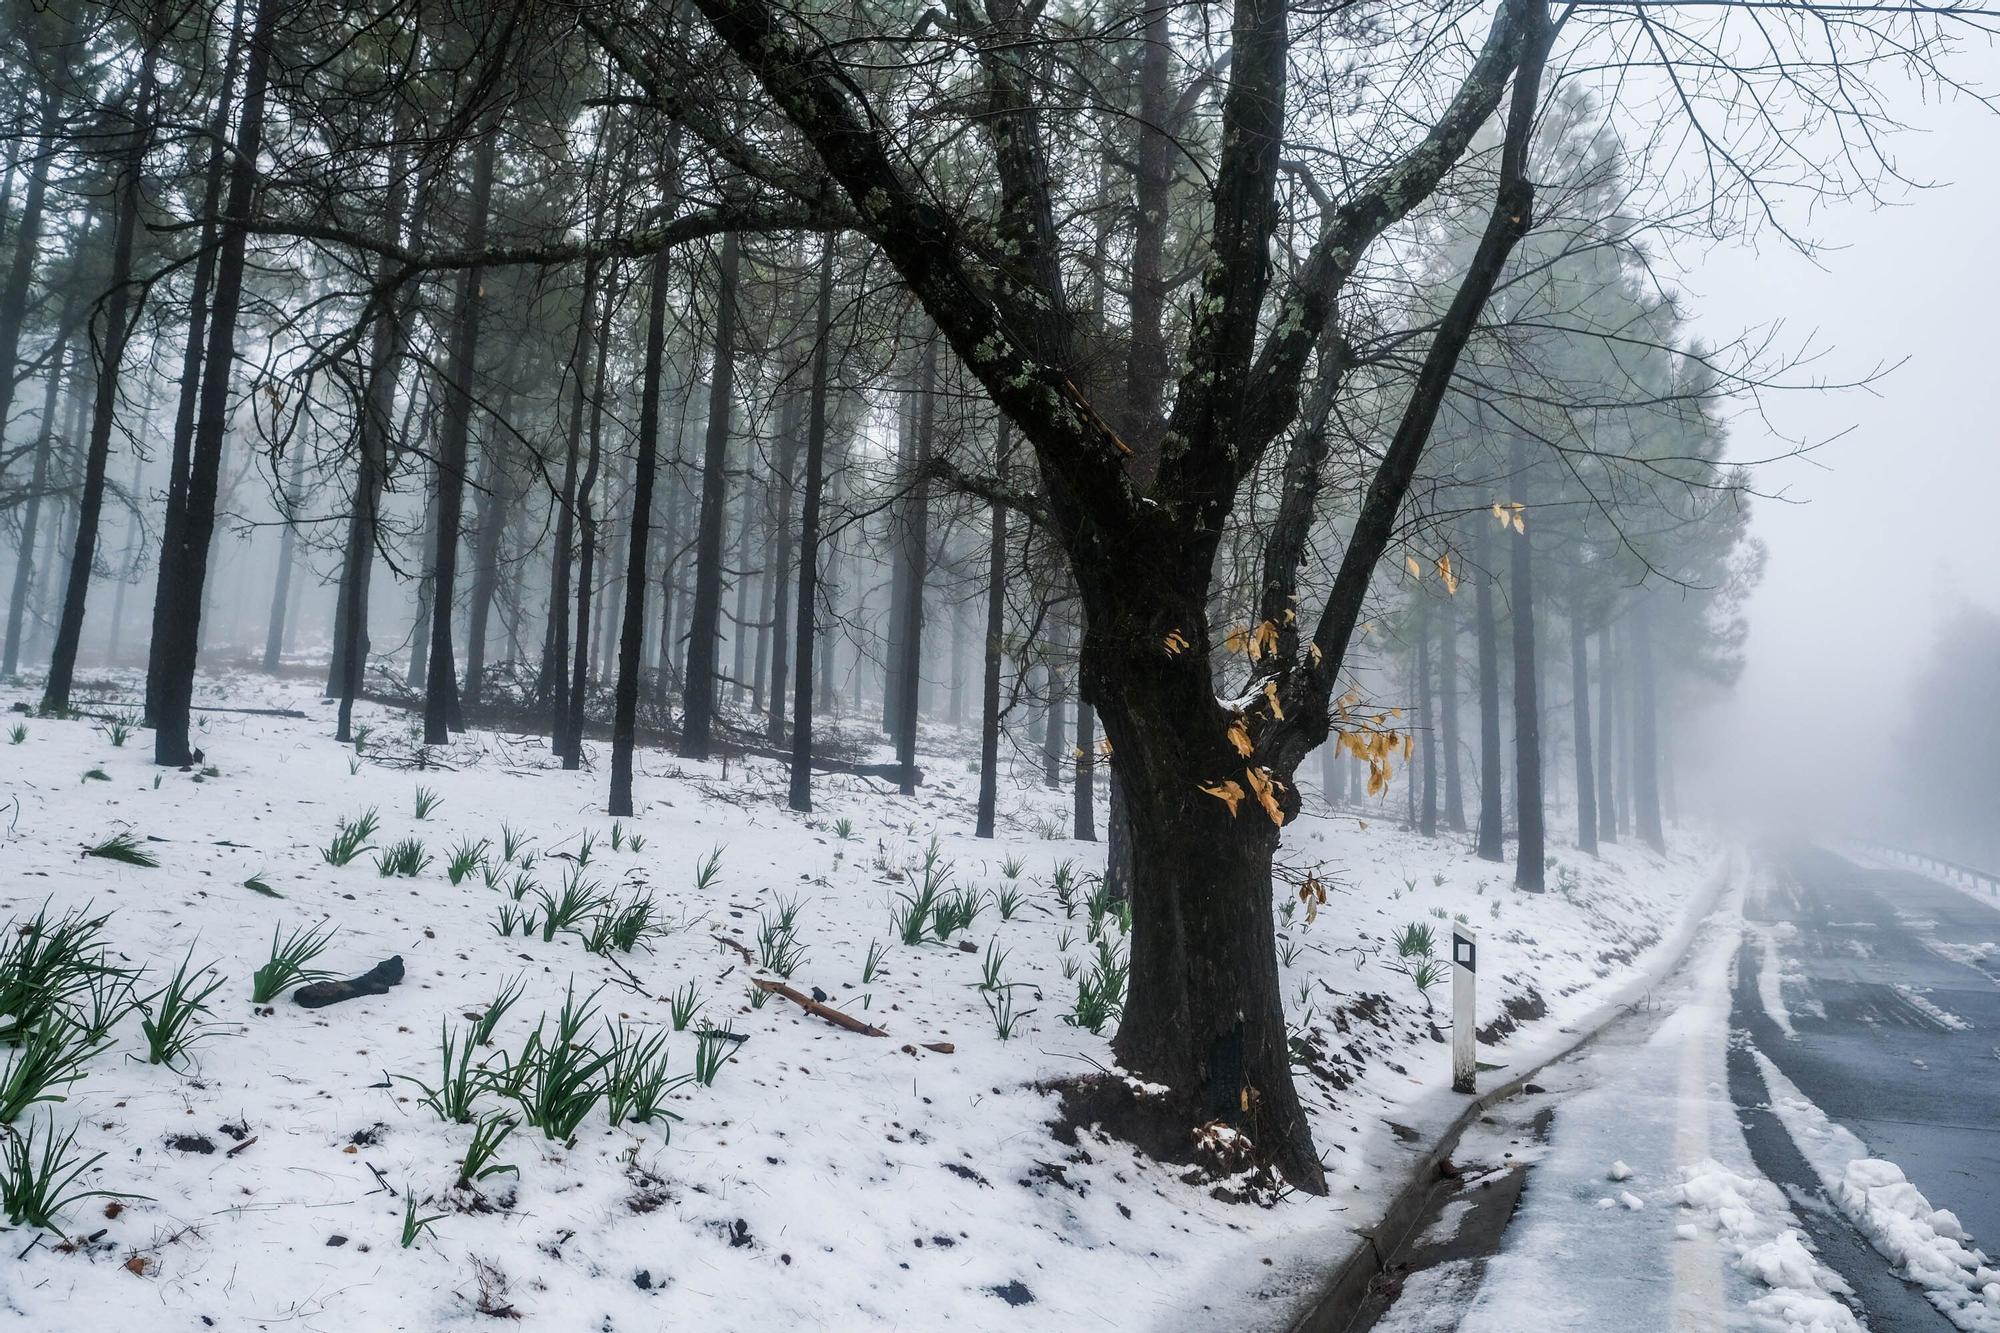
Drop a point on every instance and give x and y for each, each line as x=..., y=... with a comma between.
x=1518, y=1009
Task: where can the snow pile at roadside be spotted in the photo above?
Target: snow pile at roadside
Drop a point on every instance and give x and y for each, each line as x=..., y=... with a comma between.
x=1927, y=1244
x=826, y=1178
x=1750, y=1219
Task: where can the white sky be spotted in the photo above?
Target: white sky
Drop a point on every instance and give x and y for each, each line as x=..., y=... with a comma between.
x=1897, y=520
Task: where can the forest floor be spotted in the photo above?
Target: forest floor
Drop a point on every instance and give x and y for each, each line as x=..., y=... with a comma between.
x=824, y=1178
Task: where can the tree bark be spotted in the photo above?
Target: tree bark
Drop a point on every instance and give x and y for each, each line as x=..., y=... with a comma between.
x=1579, y=691
x=781, y=566
x=1607, y=805
x=1530, y=852
x=1645, y=722
x=1427, y=822
x=803, y=633
x=31, y=509
x=916, y=571
x=704, y=619
x=281, y=586
x=632, y=635
x=441, y=700
x=555, y=651
x=27, y=249
x=1492, y=845
x=586, y=516
x=119, y=319
x=184, y=556
x=1454, y=783
x=996, y=612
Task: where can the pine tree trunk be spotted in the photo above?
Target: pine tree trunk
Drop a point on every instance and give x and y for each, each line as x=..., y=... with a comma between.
x=27, y=249
x=632, y=634
x=184, y=557
x=31, y=508
x=1454, y=782
x=915, y=572
x=555, y=648
x=704, y=619
x=1492, y=827
x=1085, y=823
x=496, y=501
x=441, y=701
x=118, y=319
x=789, y=424
x=281, y=587
x=1427, y=822
x=1607, y=807
x=1645, y=749
x=586, y=518
x=996, y=624
x=1579, y=692
x=1053, y=715
x=804, y=631
x=1529, y=851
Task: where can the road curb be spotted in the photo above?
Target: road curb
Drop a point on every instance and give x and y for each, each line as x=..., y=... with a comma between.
x=1332, y=1307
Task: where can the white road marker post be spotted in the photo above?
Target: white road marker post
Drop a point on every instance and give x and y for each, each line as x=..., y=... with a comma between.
x=1464, y=973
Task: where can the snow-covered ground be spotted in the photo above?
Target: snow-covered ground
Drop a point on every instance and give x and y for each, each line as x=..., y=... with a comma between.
x=826, y=1179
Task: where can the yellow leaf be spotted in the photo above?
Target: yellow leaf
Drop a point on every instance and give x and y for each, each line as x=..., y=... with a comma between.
x=1266, y=788
x=1238, y=640
x=1266, y=640
x=1410, y=563
x=1104, y=746
x=1271, y=697
x=1409, y=745
x=1229, y=793
x=1239, y=736
x=1445, y=573
x=1175, y=643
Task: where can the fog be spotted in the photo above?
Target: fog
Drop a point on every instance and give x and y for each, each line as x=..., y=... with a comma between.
x=1885, y=528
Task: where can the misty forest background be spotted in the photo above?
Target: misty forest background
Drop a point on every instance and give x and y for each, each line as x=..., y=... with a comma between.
x=551, y=369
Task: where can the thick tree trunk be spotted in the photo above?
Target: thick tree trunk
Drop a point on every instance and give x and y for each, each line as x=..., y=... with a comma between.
x=1492, y=844
x=1530, y=852
x=804, y=632
x=184, y=557
x=704, y=618
x=441, y=701
x=632, y=634
x=1204, y=1015
x=916, y=570
x=1645, y=723
x=1579, y=711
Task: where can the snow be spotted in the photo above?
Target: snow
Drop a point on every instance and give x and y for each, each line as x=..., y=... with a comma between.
x=1944, y=1018
x=827, y=1179
x=1928, y=1245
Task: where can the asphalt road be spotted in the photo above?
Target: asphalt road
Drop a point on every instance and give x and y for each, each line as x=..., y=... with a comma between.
x=1892, y=995
x=1895, y=1009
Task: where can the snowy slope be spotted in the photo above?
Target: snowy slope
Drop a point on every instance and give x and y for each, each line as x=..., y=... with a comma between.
x=827, y=1180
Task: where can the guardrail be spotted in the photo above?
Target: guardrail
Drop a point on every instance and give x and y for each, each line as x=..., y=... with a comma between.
x=1936, y=866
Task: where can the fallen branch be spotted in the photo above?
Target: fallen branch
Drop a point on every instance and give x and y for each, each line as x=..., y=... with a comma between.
x=737, y=945
x=814, y=1007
